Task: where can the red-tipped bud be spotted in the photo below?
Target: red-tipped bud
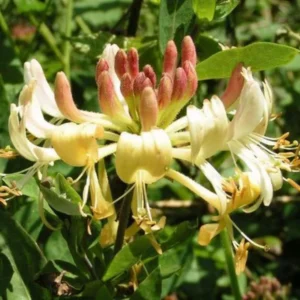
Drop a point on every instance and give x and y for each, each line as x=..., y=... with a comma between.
x=108, y=101
x=147, y=82
x=188, y=51
x=234, y=87
x=102, y=65
x=64, y=99
x=126, y=86
x=138, y=83
x=192, y=79
x=133, y=62
x=165, y=89
x=148, y=109
x=180, y=84
x=170, y=59
x=149, y=72
x=121, y=63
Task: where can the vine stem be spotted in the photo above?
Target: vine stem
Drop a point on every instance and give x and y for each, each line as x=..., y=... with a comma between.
x=68, y=31
x=123, y=221
x=230, y=265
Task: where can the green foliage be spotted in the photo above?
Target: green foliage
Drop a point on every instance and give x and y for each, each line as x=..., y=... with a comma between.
x=204, y=9
x=174, y=20
x=259, y=56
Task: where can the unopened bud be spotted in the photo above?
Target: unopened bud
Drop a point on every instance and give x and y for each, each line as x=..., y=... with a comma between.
x=170, y=59
x=180, y=84
x=126, y=86
x=234, y=87
x=133, y=62
x=192, y=80
x=127, y=92
x=102, y=65
x=165, y=89
x=108, y=101
x=188, y=51
x=138, y=83
x=64, y=98
x=148, y=109
x=121, y=63
x=149, y=72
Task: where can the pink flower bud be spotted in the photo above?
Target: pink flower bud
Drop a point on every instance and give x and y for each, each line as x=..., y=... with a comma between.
x=133, y=62
x=165, y=89
x=126, y=86
x=170, y=59
x=149, y=72
x=234, y=87
x=148, y=109
x=192, y=79
x=64, y=98
x=188, y=51
x=102, y=65
x=121, y=63
x=138, y=83
x=108, y=100
x=180, y=84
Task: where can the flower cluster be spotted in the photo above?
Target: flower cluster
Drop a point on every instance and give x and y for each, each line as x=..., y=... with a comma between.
x=138, y=124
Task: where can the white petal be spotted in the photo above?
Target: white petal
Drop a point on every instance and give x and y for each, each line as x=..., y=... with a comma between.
x=250, y=109
x=43, y=92
x=31, y=113
x=216, y=180
x=27, y=149
x=208, y=128
x=257, y=168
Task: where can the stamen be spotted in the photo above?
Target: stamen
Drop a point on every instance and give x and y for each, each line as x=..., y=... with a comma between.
x=124, y=194
x=293, y=183
x=247, y=238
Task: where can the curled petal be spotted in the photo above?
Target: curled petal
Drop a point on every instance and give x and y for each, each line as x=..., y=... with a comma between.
x=19, y=139
x=208, y=231
x=32, y=114
x=43, y=92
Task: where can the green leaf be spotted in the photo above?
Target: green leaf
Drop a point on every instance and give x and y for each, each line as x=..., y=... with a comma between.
x=141, y=249
x=60, y=203
x=206, y=47
x=64, y=198
x=174, y=19
x=204, y=9
x=169, y=263
x=29, y=189
x=24, y=6
x=128, y=256
x=181, y=233
x=6, y=273
x=150, y=288
x=25, y=258
x=224, y=8
x=258, y=56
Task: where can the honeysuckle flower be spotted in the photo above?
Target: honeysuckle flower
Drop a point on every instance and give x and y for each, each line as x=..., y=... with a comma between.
x=211, y=131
